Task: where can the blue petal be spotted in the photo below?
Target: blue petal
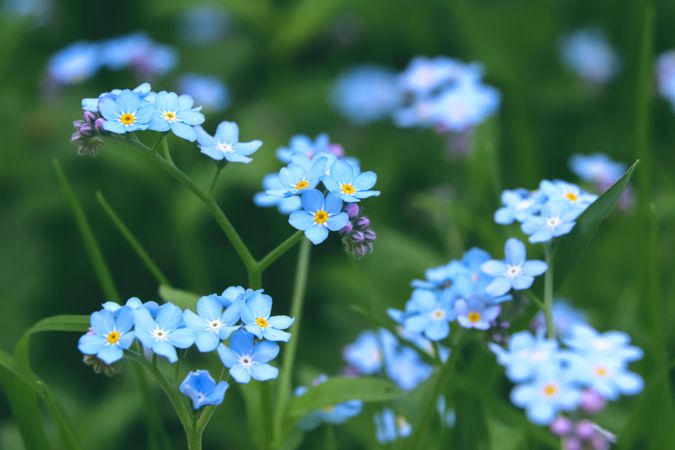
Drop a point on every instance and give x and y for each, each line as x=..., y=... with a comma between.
x=193, y=321
x=109, y=108
x=240, y=374
x=515, y=251
x=185, y=102
x=209, y=307
x=207, y=341
x=184, y=131
x=169, y=316
x=260, y=305
x=264, y=372
x=333, y=203
x=212, y=153
x=265, y=352
x=182, y=337
x=204, y=138
x=301, y=220
x=437, y=330
x=522, y=282
x=280, y=322
x=128, y=101
x=145, y=113
x=91, y=344
x=114, y=127
x=330, y=183
x=165, y=349
x=227, y=356
x=228, y=132
x=365, y=181
x=254, y=329
x=534, y=268
x=102, y=322
x=498, y=286
x=341, y=172
x=316, y=233
x=158, y=123
x=191, y=117
x=235, y=157
x=493, y=268
x=247, y=148
x=110, y=354
x=312, y=200
x=338, y=222
x=272, y=334
x=241, y=342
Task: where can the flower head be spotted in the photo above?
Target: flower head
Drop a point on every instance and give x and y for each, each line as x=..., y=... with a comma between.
x=212, y=324
x=554, y=220
x=208, y=91
x=587, y=53
x=126, y=112
x=202, y=389
x=476, y=312
x=255, y=313
x=110, y=334
x=365, y=94
x=75, y=63
x=349, y=182
x=333, y=414
x=295, y=179
x=585, y=340
x=304, y=145
x=365, y=353
x=526, y=355
x=515, y=272
x=177, y=114
x=319, y=215
x=429, y=313
x=519, y=205
x=225, y=144
x=164, y=333
x=247, y=360
x=389, y=426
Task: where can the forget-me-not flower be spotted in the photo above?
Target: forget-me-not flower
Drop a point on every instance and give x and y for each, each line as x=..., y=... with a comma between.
x=464, y=106
x=164, y=333
x=319, y=214
x=597, y=168
x=365, y=353
x=225, y=144
x=366, y=93
x=515, y=272
x=91, y=104
x=526, y=355
x=208, y=91
x=348, y=180
x=296, y=179
x=304, y=145
x=285, y=205
x=606, y=375
x=110, y=334
x=389, y=426
x=212, y=325
x=75, y=63
x=246, y=360
x=568, y=193
x=333, y=414
x=126, y=112
x=429, y=313
x=202, y=389
x=255, y=313
x=585, y=340
x=519, y=205
x=176, y=113
x=476, y=312
x=554, y=220
x=587, y=53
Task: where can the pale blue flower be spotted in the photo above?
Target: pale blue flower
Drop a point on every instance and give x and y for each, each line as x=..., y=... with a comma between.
x=164, y=333
x=305, y=145
x=424, y=75
x=176, y=113
x=390, y=427
x=296, y=179
x=202, y=389
x=515, y=272
x=125, y=113
x=607, y=375
x=585, y=340
x=207, y=90
x=225, y=144
x=554, y=220
x=319, y=215
x=285, y=205
x=255, y=313
x=597, y=168
x=365, y=353
x=110, y=334
x=476, y=312
x=91, y=104
x=464, y=106
x=212, y=325
x=519, y=205
x=665, y=76
x=365, y=94
x=587, y=53
x=333, y=414
x=75, y=63
x=526, y=355
x=348, y=180
x=429, y=313
x=246, y=360
x=567, y=193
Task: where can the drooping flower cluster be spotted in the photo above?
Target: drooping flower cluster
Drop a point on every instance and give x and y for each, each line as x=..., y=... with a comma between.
x=332, y=414
x=546, y=213
x=591, y=369
x=665, y=76
x=237, y=324
x=82, y=60
x=589, y=56
x=316, y=186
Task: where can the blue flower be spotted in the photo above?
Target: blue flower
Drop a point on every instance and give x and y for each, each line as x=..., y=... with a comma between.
x=526, y=355
x=285, y=205
x=476, y=312
x=349, y=182
x=333, y=414
x=424, y=75
x=176, y=113
x=365, y=353
x=255, y=314
x=133, y=303
x=212, y=325
x=225, y=144
x=296, y=179
x=246, y=360
x=164, y=333
x=208, y=91
x=565, y=318
x=597, y=168
x=319, y=214
x=463, y=106
x=366, y=93
x=555, y=219
x=551, y=391
x=75, y=63
x=665, y=76
x=403, y=365
x=430, y=314
x=202, y=389
x=567, y=193
x=125, y=113
x=91, y=104
x=304, y=145
x=110, y=334
x=585, y=340
x=514, y=272
x=389, y=426
x=606, y=375
x=587, y=53
x=519, y=204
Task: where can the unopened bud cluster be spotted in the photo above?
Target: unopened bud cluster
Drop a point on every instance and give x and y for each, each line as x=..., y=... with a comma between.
x=87, y=133
x=357, y=236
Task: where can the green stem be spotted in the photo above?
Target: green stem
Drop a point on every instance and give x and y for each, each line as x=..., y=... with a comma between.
x=194, y=439
x=255, y=278
x=219, y=168
x=535, y=299
x=288, y=361
x=165, y=150
x=548, y=292
x=330, y=442
x=282, y=248
x=429, y=407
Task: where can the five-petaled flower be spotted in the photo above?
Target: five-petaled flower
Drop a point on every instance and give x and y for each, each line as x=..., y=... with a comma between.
x=246, y=360
x=350, y=182
x=212, y=325
x=125, y=112
x=514, y=272
x=164, y=333
x=175, y=113
x=202, y=389
x=319, y=214
x=110, y=334
x=225, y=144
x=255, y=314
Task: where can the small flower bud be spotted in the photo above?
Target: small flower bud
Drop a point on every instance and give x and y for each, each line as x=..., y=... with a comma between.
x=89, y=117
x=337, y=150
x=584, y=429
x=352, y=210
x=357, y=236
x=592, y=402
x=347, y=228
x=363, y=222
x=572, y=444
x=98, y=124
x=369, y=235
x=99, y=366
x=561, y=426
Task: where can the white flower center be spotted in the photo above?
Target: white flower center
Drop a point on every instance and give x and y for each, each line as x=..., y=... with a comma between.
x=214, y=325
x=438, y=314
x=553, y=222
x=523, y=204
x=539, y=356
x=160, y=334
x=224, y=147
x=601, y=345
x=513, y=271
x=246, y=361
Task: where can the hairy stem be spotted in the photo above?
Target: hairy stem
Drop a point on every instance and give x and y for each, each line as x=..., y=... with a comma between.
x=548, y=292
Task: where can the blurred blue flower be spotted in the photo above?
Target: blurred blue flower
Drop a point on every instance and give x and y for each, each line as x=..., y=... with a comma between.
x=567, y=193
x=351, y=184
x=585, y=340
x=587, y=53
x=565, y=317
x=424, y=75
x=203, y=24
x=519, y=205
x=133, y=303
x=285, y=205
x=225, y=144
x=126, y=113
x=202, y=389
x=212, y=325
x=390, y=427
x=515, y=272
x=208, y=91
x=597, y=168
x=176, y=113
x=665, y=76
x=526, y=355
x=366, y=93
x=333, y=414
x=365, y=353
x=255, y=313
x=246, y=360
x=75, y=63
x=319, y=214
x=555, y=219
x=429, y=313
x=464, y=106
x=164, y=333
x=476, y=312
x=304, y=145
x=109, y=335
x=139, y=52
x=295, y=179
x=606, y=375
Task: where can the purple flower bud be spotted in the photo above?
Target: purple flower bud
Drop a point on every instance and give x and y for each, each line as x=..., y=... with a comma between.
x=369, y=235
x=357, y=236
x=585, y=429
x=363, y=222
x=573, y=444
x=337, y=150
x=352, y=210
x=592, y=402
x=505, y=325
x=561, y=426
x=76, y=136
x=89, y=116
x=98, y=124
x=600, y=442
x=347, y=228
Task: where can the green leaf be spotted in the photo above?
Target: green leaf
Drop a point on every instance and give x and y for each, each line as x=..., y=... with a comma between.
x=342, y=389
x=570, y=247
x=184, y=299
x=69, y=437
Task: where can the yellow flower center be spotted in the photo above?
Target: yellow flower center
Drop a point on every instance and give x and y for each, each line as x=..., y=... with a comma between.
x=127, y=118
x=328, y=409
x=438, y=314
x=348, y=189
x=113, y=337
x=550, y=390
x=601, y=371
x=301, y=185
x=320, y=217
x=170, y=116
x=262, y=322
x=571, y=196
x=473, y=316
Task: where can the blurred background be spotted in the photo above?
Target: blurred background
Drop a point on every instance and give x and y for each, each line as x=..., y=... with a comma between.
x=278, y=62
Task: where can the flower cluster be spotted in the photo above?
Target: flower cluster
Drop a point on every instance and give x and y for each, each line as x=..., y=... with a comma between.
x=665, y=76
x=590, y=369
x=546, y=213
x=316, y=186
x=81, y=60
x=589, y=56
x=241, y=317
x=332, y=414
